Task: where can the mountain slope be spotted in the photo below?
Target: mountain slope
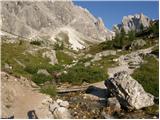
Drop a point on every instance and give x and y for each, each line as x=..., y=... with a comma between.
x=43, y=19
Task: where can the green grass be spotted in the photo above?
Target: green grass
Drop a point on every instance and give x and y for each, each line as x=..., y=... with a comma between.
x=152, y=110
x=79, y=74
x=95, y=48
x=105, y=63
x=49, y=90
x=32, y=63
x=63, y=58
x=41, y=78
x=148, y=75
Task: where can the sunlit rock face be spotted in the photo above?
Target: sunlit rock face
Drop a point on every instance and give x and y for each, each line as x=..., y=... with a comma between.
x=135, y=22
x=31, y=19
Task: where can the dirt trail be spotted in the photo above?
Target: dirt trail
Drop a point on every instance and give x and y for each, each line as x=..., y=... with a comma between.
x=18, y=98
x=124, y=61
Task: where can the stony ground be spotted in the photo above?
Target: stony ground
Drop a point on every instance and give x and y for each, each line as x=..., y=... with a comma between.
x=19, y=98
x=84, y=106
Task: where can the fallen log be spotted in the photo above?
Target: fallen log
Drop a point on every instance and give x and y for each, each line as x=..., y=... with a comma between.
x=72, y=89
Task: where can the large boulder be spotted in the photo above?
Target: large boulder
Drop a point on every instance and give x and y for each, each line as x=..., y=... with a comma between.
x=128, y=91
x=138, y=43
x=43, y=71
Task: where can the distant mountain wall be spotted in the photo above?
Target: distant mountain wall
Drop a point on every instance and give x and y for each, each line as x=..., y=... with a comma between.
x=133, y=22
x=32, y=19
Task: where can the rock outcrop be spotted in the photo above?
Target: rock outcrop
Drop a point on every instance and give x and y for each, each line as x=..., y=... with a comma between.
x=135, y=22
x=51, y=55
x=128, y=91
x=138, y=43
x=59, y=108
x=48, y=18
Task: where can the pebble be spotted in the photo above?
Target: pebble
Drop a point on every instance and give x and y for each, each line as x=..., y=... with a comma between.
x=53, y=106
x=59, y=101
x=64, y=104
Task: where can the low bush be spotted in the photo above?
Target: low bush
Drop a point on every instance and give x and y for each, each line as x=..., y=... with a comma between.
x=31, y=69
x=36, y=42
x=79, y=74
x=148, y=75
x=54, y=68
x=63, y=58
x=41, y=78
x=49, y=90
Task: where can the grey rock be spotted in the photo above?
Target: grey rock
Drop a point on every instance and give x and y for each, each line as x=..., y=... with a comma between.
x=132, y=58
x=138, y=43
x=99, y=55
x=108, y=52
x=113, y=104
x=107, y=116
x=87, y=64
x=43, y=71
x=88, y=56
x=7, y=67
x=128, y=91
x=53, y=106
x=30, y=19
x=133, y=22
x=64, y=104
x=59, y=101
x=51, y=55
x=59, y=109
x=62, y=113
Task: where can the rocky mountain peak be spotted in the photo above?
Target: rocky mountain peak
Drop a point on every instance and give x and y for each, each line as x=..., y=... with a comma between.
x=38, y=19
x=133, y=22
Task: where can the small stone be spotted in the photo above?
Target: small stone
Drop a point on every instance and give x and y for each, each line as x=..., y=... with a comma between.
x=154, y=117
x=53, y=106
x=61, y=113
x=64, y=104
x=113, y=105
x=87, y=64
x=47, y=100
x=59, y=101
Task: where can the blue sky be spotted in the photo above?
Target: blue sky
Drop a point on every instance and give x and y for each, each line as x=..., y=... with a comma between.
x=112, y=12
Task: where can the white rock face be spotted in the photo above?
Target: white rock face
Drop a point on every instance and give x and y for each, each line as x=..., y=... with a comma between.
x=74, y=38
x=51, y=55
x=133, y=22
x=40, y=19
x=128, y=91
